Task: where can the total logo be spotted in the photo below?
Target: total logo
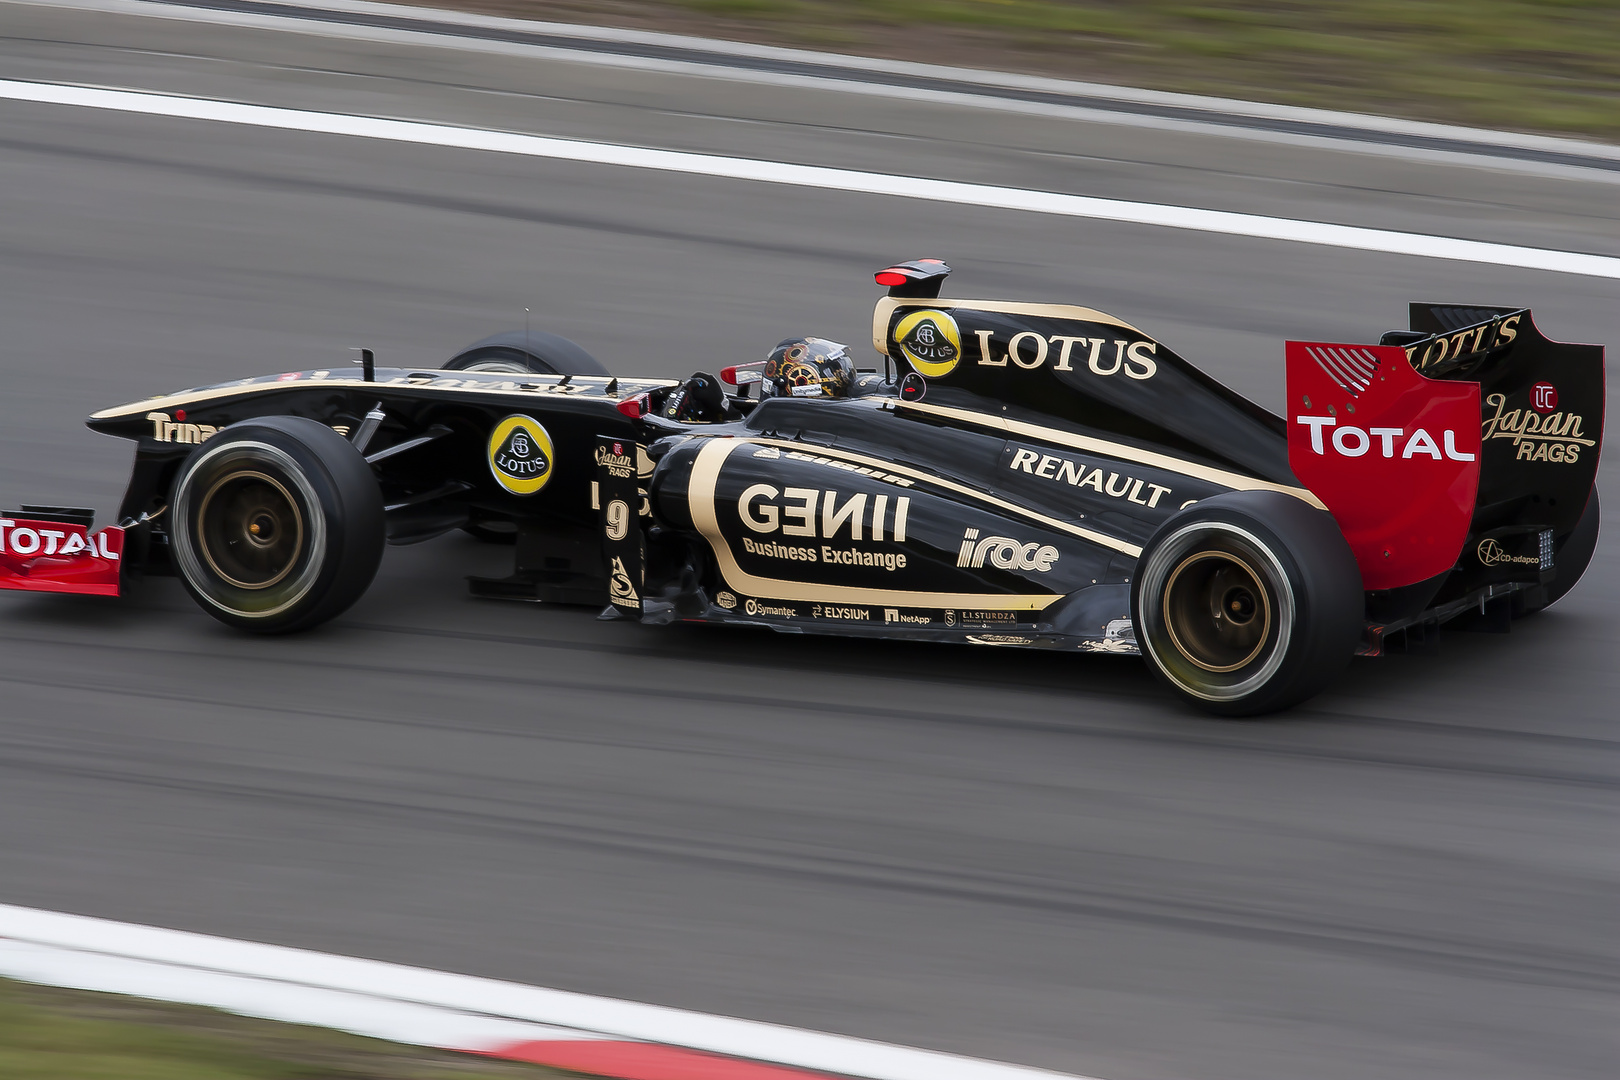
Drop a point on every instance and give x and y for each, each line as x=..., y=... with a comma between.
x=1353, y=442
x=1005, y=553
x=49, y=538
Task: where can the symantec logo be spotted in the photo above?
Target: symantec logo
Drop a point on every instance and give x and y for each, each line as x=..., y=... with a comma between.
x=1347, y=440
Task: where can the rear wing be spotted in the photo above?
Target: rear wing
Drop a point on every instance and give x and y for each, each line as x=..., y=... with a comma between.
x=1469, y=442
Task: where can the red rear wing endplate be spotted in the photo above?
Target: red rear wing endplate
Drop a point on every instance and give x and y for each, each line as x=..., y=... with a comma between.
x=1393, y=455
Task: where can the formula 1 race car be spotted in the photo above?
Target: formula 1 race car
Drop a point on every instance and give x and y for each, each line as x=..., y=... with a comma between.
x=1017, y=474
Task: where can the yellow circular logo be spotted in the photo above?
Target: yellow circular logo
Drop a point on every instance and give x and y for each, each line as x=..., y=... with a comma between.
x=520, y=454
x=930, y=340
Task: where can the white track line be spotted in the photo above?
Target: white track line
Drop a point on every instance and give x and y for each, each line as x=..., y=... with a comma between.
x=1343, y=132
x=814, y=176
x=386, y=1000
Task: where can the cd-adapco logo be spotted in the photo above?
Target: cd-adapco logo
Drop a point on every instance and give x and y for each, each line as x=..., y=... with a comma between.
x=1005, y=553
x=1490, y=553
x=930, y=341
x=520, y=454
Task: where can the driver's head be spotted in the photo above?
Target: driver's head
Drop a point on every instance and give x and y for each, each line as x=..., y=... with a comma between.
x=808, y=367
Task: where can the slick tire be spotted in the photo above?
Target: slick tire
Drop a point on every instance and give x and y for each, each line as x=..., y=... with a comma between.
x=276, y=524
x=1570, y=561
x=1247, y=602
x=517, y=352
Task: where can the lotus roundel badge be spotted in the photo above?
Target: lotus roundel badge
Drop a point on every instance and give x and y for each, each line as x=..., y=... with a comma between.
x=520, y=454
x=930, y=341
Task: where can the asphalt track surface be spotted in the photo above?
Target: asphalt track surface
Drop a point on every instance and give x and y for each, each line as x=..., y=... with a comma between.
x=1034, y=858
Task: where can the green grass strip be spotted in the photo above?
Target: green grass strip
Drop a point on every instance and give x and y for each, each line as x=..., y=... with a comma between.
x=1531, y=65
x=48, y=1033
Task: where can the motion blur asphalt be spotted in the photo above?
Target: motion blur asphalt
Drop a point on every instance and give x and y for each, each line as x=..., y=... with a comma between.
x=1034, y=858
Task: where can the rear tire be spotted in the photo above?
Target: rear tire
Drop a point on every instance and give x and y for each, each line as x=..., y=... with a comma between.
x=1247, y=602
x=276, y=524
x=1570, y=562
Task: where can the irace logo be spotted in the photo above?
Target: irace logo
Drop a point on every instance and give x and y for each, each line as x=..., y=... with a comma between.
x=1004, y=553
x=1354, y=442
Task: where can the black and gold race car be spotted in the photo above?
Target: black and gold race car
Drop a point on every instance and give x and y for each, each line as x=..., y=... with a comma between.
x=1016, y=474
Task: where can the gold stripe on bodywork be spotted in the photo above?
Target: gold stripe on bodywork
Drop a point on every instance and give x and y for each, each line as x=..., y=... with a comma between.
x=887, y=305
x=1081, y=531
x=1231, y=480
x=702, y=500
x=547, y=388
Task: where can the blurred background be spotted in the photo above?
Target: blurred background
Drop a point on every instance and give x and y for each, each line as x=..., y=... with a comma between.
x=1528, y=65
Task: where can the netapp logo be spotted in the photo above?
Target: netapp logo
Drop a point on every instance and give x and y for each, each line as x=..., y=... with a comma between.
x=1005, y=553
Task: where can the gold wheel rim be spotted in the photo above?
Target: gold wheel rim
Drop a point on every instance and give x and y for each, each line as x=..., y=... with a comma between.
x=260, y=526
x=1217, y=611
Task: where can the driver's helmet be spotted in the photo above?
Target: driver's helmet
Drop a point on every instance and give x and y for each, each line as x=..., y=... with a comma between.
x=808, y=367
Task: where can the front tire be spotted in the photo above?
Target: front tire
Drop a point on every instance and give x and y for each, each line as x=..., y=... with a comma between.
x=276, y=524
x=1247, y=602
